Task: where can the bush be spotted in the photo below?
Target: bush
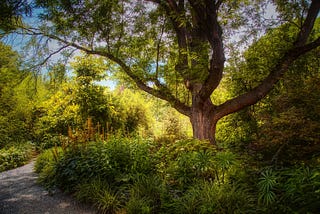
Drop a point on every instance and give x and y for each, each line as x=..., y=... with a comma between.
x=116, y=162
x=137, y=176
x=45, y=165
x=15, y=155
x=48, y=141
x=186, y=161
x=49, y=156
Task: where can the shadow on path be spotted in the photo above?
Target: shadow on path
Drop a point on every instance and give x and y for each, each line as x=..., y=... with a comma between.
x=20, y=194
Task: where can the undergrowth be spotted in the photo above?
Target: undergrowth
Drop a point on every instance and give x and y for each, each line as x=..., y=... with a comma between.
x=15, y=155
x=127, y=175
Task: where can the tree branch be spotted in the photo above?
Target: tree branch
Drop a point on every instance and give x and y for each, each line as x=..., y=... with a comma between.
x=162, y=93
x=175, y=10
x=207, y=13
x=299, y=48
x=307, y=26
x=267, y=84
x=50, y=55
x=158, y=48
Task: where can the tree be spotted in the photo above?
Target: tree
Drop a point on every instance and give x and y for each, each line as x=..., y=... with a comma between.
x=285, y=123
x=175, y=49
x=11, y=12
x=16, y=101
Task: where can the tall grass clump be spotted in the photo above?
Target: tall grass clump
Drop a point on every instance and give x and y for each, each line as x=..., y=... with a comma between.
x=100, y=194
x=210, y=197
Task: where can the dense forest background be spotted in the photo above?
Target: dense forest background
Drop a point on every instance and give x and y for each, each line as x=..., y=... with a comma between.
x=126, y=151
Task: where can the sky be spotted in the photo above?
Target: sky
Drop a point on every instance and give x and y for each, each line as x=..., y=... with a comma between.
x=18, y=42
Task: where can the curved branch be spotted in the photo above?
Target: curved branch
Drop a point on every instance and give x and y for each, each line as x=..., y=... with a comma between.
x=44, y=61
x=163, y=92
x=267, y=84
x=281, y=67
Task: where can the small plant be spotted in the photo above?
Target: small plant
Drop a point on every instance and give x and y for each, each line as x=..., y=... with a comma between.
x=267, y=184
x=209, y=197
x=149, y=189
x=100, y=194
x=223, y=162
x=138, y=205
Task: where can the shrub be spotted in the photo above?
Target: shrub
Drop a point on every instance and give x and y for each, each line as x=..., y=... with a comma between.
x=45, y=165
x=187, y=161
x=137, y=176
x=15, y=155
x=117, y=162
x=48, y=141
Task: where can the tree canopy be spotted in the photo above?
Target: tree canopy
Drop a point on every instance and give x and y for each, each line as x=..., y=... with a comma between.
x=176, y=50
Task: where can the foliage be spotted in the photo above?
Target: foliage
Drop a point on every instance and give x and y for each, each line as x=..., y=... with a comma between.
x=189, y=176
x=11, y=13
x=282, y=128
x=100, y=194
x=176, y=51
x=56, y=113
x=300, y=189
x=47, y=157
x=133, y=111
x=45, y=165
x=266, y=187
x=18, y=99
x=208, y=197
x=15, y=155
x=146, y=194
x=289, y=190
x=141, y=176
x=112, y=161
x=291, y=133
x=73, y=102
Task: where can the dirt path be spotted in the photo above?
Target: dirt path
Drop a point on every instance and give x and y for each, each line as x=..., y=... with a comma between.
x=20, y=194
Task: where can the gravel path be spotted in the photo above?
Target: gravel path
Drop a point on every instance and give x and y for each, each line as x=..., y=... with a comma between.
x=20, y=194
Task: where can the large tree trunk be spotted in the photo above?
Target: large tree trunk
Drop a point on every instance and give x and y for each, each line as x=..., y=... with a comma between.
x=203, y=121
x=203, y=127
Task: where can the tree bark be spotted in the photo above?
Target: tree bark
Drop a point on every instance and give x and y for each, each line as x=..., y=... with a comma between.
x=203, y=127
x=203, y=120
